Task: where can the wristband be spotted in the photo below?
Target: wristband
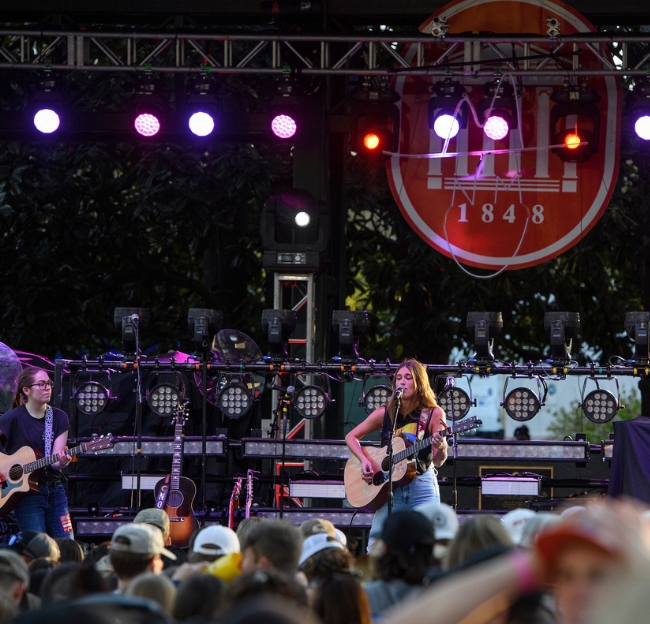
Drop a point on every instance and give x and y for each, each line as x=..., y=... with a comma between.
x=526, y=577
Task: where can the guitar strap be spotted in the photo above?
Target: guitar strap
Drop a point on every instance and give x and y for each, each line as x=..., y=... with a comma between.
x=49, y=425
x=423, y=423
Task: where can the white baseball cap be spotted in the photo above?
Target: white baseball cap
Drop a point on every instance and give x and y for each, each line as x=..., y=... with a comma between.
x=443, y=517
x=515, y=521
x=317, y=542
x=216, y=540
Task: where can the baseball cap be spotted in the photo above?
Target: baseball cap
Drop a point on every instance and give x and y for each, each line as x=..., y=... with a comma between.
x=216, y=540
x=34, y=545
x=442, y=517
x=317, y=525
x=406, y=530
x=154, y=517
x=140, y=539
x=515, y=521
x=317, y=542
x=11, y=563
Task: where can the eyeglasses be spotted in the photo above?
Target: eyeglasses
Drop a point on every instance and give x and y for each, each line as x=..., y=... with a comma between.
x=43, y=384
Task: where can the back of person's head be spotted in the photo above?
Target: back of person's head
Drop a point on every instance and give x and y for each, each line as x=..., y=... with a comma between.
x=474, y=535
x=199, y=597
x=278, y=542
x=212, y=542
x=155, y=517
x=134, y=547
x=7, y=609
x=156, y=587
x=408, y=540
x=541, y=522
x=54, y=587
x=323, y=555
x=270, y=610
x=265, y=582
x=97, y=552
x=246, y=525
x=314, y=526
x=32, y=545
x=14, y=575
x=38, y=570
x=71, y=551
x=341, y=599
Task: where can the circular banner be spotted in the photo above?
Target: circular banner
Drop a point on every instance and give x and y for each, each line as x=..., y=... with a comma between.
x=511, y=203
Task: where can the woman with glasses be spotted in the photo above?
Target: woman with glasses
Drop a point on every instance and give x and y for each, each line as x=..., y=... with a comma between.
x=34, y=423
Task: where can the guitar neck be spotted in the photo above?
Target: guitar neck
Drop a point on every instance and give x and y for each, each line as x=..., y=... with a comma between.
x=177, y=457
x=48, y=460
x=416, y=447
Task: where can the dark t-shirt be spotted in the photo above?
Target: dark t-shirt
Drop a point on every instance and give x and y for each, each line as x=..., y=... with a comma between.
x=21, y=429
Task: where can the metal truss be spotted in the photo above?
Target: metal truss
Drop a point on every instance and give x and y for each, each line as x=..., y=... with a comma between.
x=381, y=54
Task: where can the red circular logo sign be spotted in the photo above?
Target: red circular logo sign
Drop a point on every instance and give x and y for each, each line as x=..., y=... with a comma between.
x=521, y=204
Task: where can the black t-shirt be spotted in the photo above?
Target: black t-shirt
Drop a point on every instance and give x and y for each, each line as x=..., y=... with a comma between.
x=21, y=429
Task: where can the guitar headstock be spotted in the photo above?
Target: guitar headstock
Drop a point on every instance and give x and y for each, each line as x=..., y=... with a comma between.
x=467, y=424
x=100, y=443
x=182, y=413
x=236, y=490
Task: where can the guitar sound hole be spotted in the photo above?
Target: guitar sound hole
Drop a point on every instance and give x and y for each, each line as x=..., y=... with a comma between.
x=384, y=464
x=175, y=498
x=15, y=472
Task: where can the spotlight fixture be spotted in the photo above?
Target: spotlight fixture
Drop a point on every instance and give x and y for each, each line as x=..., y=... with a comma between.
x=376, y=119
x=204, y=324
x=201, y=105
x=310, y=401
x=579, y=118
x=562, y=328
x=523, y=403
x=377, y=395
x=279, y=325
x=130, y=321
x=295, y=229
x=349, y=326
x=600, y=405
x=47, y=105
x=498, y=109
x=455, y=402
x=485, y=326
x=235, y=399
x=285, y=108
x=640, y=108
x=91, y=398
x=444, y=118
x=636, y=327
x=148, y=107
x=164, y=399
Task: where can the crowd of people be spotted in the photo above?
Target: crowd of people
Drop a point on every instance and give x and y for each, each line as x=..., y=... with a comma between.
x=425, y=568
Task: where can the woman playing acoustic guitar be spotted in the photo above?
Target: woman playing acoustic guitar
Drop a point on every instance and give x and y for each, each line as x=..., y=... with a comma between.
x=419, y=417
x=46, y=509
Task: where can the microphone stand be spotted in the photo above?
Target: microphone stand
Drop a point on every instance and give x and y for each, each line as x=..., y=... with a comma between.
x=454, y=437
x=284, y=401
x=398, y=404
x=138, y=414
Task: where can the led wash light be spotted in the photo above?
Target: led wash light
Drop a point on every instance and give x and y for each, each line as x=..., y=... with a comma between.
x=201, y=124
x=498, y=110
x=147, y=124
x=284, y=126
x=47, y=121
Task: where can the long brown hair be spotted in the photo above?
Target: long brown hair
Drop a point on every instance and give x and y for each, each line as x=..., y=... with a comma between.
x=425, y=394
x=25, y=379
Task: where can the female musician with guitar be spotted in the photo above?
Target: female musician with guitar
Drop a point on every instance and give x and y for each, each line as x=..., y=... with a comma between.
x=33, y=423
x=419, y=416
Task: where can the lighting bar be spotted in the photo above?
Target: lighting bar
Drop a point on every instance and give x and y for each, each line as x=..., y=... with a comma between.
x=147, y=482
x=607, y=450
x=317, y=489
x=534, y=450
x=99, y=526
x=510, y=486
x=297, y=449
x=126, y=446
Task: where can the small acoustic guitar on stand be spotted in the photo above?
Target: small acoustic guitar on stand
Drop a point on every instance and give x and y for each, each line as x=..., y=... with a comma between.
x=175, y=493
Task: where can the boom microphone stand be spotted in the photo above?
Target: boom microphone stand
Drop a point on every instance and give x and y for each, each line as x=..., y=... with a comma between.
x=398, y=404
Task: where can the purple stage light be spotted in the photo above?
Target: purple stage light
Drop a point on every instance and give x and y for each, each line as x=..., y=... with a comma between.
x=642, y=127
x=46, y=121
x=446, y=126
x=496, y=128
x=284, y=126
x=147, y=124
x=201, y=123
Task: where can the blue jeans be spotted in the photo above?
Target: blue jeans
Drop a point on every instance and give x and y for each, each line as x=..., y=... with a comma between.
x=423, y=489
x=45, y=511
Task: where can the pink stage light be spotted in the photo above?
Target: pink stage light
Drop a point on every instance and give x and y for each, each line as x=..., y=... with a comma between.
x=284, y=126
x=147, y=124
x=496, y=128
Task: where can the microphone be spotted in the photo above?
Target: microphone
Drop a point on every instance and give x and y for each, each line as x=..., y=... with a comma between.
x=289, y=390
x=450, y=381
x=399, y=391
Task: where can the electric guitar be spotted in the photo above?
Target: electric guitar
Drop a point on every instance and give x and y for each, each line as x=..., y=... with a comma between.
x=174, y=493
x=234, y=502
x=249, y=491
x=19, y=472
x=371, y=496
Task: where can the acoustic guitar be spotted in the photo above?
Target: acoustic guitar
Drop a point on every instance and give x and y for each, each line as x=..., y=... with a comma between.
x=371, y=496
x=175, y=493
x=19, y=472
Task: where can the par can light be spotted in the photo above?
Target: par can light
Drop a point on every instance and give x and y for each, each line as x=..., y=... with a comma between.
x=91, y=398
x=164, y=399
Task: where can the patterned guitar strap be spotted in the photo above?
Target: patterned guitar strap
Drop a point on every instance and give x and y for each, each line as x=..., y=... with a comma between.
x=49, y=424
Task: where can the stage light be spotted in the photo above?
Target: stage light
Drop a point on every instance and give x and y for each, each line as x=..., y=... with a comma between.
x=636, y=327
x=562, y=327
x=310, y=401
x=278, y=325
x=302, y=219
x=285, y=108
x=47, y=121
x=130, y=321
x=442, y=106
x=575, y=123
x=91, y=398
x=640, y=108
x=201, y=105
x=204, y=324
x=284, y=126
x=377, y=395
x=375, y=118
x=201, y=123
x=498, y=109
x=164, y=399
x=455, y=402
x=147, y=124
x=235, y=399
x=485, y=326
x=148, y=106
x=47, y=104
x=600, y=406
x=349, y=326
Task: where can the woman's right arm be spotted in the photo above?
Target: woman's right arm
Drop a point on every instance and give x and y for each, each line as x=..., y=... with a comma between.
x=373, y=422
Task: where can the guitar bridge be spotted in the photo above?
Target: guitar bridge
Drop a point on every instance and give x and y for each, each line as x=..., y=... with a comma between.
x=379, y=478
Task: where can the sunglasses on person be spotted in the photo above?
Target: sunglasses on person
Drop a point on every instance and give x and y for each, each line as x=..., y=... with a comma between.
x=42, y=384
